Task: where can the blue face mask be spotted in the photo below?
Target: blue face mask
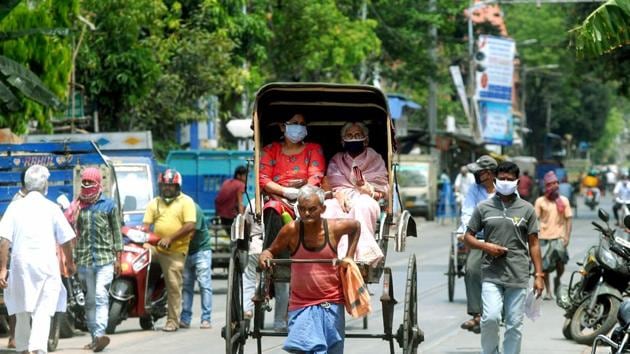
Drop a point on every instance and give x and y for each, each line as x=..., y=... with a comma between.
x=295, y=132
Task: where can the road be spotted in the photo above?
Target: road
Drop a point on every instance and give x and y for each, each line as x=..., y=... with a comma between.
x=438, y=318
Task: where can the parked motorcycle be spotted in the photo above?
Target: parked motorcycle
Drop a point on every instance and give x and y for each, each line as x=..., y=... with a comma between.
x=619, y=340
x=139, y=289
x=592, y=302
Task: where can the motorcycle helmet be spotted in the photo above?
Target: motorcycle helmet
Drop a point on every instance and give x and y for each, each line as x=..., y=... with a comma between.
x=166, y=181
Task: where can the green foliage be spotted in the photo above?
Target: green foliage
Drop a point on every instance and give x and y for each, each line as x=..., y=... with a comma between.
x=605, y=29
x=119, y=64
x=32, y=38
x=315, y=41
x=604, y=148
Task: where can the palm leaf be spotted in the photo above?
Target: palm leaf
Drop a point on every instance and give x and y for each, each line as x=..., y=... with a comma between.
x=6, y=6
x=7, y=99
x=24, y=80
x=60, y=32
x=606, y=28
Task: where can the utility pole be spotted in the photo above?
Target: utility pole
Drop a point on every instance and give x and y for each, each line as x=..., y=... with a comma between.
x=433, y=87
x=364, y=69
x=471, y=70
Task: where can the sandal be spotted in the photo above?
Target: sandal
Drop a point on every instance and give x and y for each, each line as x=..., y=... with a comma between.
x=469, y=324
x=169, y=328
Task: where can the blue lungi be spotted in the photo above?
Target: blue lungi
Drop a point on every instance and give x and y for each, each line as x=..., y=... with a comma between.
x=317, y=329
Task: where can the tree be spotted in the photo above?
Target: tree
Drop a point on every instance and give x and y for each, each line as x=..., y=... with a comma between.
x=119, y=64
x=604, y=30
x=34, y=37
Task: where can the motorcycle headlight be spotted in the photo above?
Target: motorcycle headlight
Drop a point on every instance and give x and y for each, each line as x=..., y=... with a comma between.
x=607, y=258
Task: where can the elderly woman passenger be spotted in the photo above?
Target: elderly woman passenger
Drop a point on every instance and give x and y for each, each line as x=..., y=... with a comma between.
x=358, y=179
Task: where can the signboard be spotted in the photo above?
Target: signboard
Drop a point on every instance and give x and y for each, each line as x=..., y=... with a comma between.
x=495, y=68
x=495, y=122
x=461, y=90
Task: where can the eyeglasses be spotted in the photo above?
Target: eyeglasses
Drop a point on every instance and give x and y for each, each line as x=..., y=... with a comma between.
x=356, y=136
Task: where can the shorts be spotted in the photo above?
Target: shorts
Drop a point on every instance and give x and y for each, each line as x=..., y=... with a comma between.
x=316, y=329
x=553, y=251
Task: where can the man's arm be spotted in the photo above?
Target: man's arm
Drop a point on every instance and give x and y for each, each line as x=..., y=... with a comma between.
x=186, y=229
x=534, y=251
x=67, y=251
x=490, y=248
x=239, y=202
x=278, y=245
x=4, y=258
x=567, y=235
x=352, y=228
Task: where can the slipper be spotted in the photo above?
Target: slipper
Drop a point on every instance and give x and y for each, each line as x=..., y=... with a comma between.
x=169, y=328
x=548, y=297
x=476, y=328
x=89, y=346
x=100, y=343
x=469, y=324
x=205, y=325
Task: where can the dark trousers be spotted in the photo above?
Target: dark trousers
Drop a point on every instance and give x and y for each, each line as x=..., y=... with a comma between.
x=472, y=278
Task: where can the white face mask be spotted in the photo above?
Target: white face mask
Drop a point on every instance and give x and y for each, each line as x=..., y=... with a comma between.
x=505, y=187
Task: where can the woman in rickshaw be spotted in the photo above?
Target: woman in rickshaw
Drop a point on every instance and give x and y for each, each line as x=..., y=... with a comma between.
x=358, y=178
x=284, y=167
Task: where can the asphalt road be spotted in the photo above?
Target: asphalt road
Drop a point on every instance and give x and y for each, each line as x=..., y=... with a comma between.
x=438, y=318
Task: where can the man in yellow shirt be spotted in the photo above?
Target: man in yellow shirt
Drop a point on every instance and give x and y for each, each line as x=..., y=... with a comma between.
x=173, y=216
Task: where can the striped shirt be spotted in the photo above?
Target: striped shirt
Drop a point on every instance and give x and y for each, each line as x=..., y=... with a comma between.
x=99, y=236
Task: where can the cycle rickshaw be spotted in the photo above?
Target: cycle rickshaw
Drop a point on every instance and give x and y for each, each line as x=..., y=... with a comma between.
x=328, y=107
x=458, y=252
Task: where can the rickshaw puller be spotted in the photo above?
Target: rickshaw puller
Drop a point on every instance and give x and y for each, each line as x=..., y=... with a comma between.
x=316, y=303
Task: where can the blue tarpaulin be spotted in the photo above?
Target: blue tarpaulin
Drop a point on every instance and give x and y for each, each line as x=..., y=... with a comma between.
x=397, y=103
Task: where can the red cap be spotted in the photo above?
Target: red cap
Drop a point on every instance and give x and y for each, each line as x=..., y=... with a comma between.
x=92, y=174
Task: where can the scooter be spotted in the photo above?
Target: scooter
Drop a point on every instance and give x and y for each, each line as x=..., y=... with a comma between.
x=139, y=289
x=591, y=303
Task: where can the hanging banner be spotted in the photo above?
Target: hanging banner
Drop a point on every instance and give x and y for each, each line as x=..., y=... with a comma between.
x=495, y=68
x=495, y=122
x=456, y=74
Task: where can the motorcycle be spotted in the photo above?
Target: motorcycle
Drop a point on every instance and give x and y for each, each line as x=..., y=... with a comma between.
x=592, y=197
x=619, y=340
x=139, y=290
x=74, y=317
x=591, y=303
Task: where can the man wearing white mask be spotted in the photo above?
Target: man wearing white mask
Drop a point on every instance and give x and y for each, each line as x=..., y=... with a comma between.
x=33, y=291
x=510, y=229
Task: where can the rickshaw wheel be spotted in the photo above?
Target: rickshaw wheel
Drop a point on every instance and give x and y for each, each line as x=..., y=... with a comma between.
x=451, y=276
x=409, y=335
x=235, y=330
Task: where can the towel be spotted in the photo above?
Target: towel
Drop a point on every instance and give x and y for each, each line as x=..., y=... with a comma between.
x=355, y=292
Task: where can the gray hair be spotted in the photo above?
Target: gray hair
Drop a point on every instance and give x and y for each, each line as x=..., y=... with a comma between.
x=307, y=191
x=36, y=178
x=361, y=125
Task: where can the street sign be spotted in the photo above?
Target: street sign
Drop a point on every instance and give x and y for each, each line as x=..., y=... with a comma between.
x=495, y=68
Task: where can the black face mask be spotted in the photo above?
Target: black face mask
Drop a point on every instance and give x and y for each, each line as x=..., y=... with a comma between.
x=353, y=147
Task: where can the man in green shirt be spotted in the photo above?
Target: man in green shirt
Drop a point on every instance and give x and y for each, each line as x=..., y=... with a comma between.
x=510, y=228
x=198, y=267
x=97, y=252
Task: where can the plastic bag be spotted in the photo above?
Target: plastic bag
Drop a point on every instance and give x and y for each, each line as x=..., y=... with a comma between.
x=533, y=305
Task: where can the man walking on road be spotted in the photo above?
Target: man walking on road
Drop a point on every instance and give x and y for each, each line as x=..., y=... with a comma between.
x=229, y=201
x=173, y=216
x=198, y=267
x=316, y=302
x=33, y=226
x=511, y=238
x=555, y=215
x=98, y=248
x=483, y=170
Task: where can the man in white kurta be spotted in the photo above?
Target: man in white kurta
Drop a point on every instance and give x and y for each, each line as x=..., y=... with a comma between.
x=33, y=226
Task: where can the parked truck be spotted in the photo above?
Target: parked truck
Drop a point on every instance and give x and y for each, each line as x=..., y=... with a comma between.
x=203, y=173
x=65, y=162
x=131, y=155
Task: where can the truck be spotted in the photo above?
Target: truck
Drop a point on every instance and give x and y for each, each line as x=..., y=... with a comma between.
x=417, y=186
x=203, y=172
x=65, y=162
x=131, y=155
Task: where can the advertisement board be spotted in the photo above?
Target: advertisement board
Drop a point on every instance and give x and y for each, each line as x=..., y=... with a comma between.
x=495, y=122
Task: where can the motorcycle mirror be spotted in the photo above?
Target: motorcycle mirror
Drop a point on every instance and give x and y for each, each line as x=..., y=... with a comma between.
x=626, y=221
x=603, y=215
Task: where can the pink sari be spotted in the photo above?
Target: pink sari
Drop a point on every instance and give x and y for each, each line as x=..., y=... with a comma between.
x=363, y=208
